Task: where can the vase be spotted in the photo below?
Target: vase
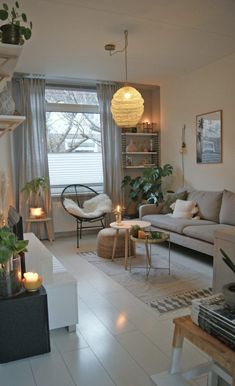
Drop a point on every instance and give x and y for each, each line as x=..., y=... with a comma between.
x=10, y=277
x=10, y=34
x=229, y=295
x=131, y=147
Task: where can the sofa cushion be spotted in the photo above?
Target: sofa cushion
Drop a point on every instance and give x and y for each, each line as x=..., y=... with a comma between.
x=204, y=232
x=169, y=223
x=227, y=212
x=184, y=209
x=209, y=203
x=169, y=198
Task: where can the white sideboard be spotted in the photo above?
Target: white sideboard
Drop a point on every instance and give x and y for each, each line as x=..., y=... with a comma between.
x=221, y=273
x=60, y=285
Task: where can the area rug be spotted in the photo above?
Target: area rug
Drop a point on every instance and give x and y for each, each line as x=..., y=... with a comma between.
x=161, y=291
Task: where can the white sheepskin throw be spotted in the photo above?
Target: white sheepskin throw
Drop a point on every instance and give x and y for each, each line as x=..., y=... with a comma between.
x=95, y=207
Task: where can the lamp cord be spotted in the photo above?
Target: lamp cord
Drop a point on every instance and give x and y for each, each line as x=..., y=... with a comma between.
x=126, y=44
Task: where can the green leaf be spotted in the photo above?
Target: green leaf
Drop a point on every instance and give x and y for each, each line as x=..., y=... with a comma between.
x=31, y=25
x=17, y=4
x=227, y=260
x=3, y=14
x=20, y=246
x=17, y=22
x=5, y=6
x=27, y=33
x=5, y=254
x=24, y=17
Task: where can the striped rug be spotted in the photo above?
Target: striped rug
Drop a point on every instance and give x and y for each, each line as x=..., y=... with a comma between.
x=161, y=291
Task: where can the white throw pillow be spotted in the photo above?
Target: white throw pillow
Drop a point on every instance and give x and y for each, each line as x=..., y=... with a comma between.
x=184, y=209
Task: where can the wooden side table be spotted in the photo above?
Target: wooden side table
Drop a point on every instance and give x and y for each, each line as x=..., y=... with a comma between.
x=37, y=221
x=148, y=253
x=222, y=362
x=127, y=224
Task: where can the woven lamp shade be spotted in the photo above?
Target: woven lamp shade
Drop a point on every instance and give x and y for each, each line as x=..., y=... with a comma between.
x=127, y=107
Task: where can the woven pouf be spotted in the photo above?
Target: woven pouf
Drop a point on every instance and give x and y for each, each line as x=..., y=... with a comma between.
x=105, y=240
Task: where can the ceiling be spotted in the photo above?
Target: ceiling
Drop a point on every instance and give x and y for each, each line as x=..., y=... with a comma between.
x=167, y=38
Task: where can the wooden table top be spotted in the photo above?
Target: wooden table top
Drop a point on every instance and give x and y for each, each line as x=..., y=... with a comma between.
x=217, y=350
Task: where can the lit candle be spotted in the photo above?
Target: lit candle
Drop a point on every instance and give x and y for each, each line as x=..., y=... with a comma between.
x=118, y=209
x=32, y=281
x=36, y=212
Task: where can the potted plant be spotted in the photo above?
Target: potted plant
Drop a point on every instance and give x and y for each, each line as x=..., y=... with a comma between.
x=34, y=190
x=229, y=289
x=17, y=29
x=10, y=267
x=146, y=188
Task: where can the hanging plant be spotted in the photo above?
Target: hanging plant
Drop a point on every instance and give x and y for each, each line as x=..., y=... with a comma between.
x=17, y=29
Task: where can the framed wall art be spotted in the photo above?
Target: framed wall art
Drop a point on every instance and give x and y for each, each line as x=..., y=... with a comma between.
x=209, y=137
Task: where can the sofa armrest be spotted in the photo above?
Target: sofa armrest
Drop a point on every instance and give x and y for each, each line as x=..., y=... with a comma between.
x=149, y=209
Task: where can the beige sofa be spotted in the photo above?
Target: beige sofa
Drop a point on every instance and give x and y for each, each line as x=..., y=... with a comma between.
x=216, y=211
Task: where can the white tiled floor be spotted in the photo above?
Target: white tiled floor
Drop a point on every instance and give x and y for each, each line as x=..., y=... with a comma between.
x=119, y=340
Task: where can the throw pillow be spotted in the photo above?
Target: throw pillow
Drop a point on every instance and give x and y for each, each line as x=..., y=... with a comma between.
x=227, y=211
x=170, y=198
x=184, y=209
x=194, y=211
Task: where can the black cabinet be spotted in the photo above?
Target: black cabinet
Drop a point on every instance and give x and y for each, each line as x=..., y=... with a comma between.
x=24, y=328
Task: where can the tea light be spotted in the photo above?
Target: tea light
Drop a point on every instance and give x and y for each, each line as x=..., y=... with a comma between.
x=36, y=212
x=32, y=281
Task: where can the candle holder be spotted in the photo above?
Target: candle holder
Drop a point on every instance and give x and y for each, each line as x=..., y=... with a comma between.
x=32, y=281
x=119, y=218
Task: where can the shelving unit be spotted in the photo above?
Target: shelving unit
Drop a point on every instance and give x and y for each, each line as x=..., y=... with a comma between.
x=9, y=54
x=147, y=152
x=9, y=123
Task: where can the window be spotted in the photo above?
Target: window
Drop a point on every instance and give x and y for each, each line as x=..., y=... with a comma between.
x=73, y=138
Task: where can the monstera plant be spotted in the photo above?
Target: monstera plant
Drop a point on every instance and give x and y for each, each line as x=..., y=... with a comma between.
x=147, y=187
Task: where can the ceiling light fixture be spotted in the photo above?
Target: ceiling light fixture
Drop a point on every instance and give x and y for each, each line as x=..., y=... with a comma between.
x=127, y=105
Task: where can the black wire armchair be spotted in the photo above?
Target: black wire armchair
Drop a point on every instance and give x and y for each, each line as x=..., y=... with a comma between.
x=86, y=206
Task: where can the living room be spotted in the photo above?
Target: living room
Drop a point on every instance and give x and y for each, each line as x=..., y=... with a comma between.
x=181, y=57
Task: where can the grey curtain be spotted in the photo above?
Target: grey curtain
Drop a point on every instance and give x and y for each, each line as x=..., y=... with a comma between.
x=29, y=143
x=111, y=144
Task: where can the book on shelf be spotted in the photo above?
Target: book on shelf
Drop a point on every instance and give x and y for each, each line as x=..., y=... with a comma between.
x=213, y=316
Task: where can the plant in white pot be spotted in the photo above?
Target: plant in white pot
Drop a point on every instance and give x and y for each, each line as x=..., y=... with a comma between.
x=10, y=265
x=17, y=29
x=229, y=289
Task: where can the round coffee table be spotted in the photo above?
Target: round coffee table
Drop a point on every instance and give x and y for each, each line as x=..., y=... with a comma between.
x=127, y=224
x=148, y=243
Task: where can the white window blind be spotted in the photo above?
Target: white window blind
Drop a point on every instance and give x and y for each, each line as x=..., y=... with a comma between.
x=75, y=168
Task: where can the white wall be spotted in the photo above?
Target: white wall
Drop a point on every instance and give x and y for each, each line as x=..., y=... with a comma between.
x=207, y=89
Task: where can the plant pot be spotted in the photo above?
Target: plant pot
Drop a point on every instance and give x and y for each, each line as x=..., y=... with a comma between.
x=10, y=34
x=229, y=295
x=10, y=278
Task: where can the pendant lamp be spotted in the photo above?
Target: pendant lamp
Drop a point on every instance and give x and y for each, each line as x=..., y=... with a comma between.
x=127, y=105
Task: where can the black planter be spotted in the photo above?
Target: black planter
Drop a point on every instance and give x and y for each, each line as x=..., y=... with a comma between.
x=229, y=295
x=10, y=34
